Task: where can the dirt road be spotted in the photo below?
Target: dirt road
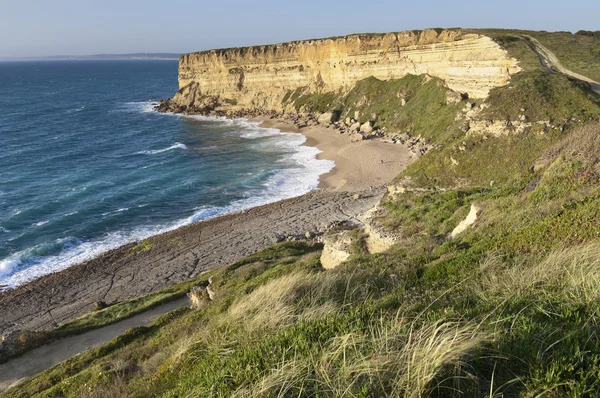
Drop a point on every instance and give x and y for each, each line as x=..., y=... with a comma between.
x=550, y=60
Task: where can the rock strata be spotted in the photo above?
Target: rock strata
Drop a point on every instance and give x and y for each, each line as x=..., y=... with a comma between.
x=262, y=76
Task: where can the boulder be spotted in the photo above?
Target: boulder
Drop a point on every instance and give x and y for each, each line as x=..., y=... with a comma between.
x=367, y=128
x=355, y=127
x=337, y=249
x=452, y=97
x=467, y=222
x=328, y=118
x=356, y=137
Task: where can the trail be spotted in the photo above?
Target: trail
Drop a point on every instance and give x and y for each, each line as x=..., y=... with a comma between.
x=550, y=60
x=45, y=357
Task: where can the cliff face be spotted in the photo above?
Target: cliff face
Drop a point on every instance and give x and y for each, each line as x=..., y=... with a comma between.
x=261, y=76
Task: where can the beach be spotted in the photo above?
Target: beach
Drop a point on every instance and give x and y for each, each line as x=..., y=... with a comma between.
x=354, y=186
x=358, y=165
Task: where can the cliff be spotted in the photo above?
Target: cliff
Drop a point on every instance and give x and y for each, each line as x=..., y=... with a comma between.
x=261, y=76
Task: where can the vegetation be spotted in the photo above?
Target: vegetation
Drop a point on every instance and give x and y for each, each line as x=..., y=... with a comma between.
x=578, y=52
x=413, y=104
x=102, y=317
x=508, y=308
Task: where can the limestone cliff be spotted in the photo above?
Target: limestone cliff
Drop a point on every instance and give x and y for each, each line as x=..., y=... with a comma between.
x=261, y=76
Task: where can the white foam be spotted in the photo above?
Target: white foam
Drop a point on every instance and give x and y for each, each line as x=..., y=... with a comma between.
x=116, y=211
x=143, y=106
x=299, y=175
x=39, y=224
x=177, y=145
x=8, y=265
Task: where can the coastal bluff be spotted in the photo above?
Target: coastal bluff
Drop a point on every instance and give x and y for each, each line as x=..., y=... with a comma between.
x=264, y=76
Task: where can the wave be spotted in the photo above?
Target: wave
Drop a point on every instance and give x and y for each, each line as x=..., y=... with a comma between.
x=116, y=211
x=177, y=145
x=78, y=109
x=141, y=106
x=299, y=173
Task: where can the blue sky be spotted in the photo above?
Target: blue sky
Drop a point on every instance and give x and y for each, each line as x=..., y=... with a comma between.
x=41, y=27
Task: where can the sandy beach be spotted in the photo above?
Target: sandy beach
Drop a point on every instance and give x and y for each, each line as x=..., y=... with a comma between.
x=178, y=255
x=358, y=165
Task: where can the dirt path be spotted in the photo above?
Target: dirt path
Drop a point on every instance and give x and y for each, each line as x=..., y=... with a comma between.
x=549, y=60
x=42, y=358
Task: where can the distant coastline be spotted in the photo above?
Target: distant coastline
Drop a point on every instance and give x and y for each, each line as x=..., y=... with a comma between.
x=99, y=57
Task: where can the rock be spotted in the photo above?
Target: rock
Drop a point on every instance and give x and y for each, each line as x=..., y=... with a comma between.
x=402, y=102
x=378, y=238
x=467, y=222
x=356, y=137
x=100, y=305
x=348, y=121
x=337, y=248
x=328, y=118
x=309, y=235
x=209, y=289
x=367, y=127
x=355, y=127
x=357, y=196
x=403, y=137
x=452, y=97
x=199, y=297
x=19, y=341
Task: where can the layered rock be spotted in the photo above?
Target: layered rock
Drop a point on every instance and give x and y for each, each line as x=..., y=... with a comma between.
x=262, y=76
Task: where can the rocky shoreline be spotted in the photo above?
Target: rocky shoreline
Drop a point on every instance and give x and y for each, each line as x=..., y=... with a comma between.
x=214, y=106
x=176, y=256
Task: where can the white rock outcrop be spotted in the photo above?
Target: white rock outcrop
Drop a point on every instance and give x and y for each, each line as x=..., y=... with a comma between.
x=467, y=222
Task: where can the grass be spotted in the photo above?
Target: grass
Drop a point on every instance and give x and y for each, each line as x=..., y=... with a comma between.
x=508, y=308
x=577, y=52
x=109, y=315
x=489, y=313
x=413, y=104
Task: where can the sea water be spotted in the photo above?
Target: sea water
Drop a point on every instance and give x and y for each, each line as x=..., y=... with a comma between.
x=87, y=165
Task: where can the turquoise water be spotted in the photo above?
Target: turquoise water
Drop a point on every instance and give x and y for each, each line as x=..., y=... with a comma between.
x=86, y=165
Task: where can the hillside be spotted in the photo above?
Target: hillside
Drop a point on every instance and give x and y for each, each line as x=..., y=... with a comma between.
x=477, y=273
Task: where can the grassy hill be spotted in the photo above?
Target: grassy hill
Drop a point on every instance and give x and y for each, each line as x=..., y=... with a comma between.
x=507, y=308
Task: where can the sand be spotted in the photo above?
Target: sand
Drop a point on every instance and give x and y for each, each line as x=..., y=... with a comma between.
x=178, y=255
x=358, y=165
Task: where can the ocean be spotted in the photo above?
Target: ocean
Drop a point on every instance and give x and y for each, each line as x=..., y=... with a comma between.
x=87, y=165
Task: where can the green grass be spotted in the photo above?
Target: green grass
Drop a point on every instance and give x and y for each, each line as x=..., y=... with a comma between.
x=543, y=96
x=577, y=52
x=413, y=104
x=508, y=307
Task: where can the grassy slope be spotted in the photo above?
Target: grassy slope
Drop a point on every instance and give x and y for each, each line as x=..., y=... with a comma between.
x=577, y=52
x=508, y=307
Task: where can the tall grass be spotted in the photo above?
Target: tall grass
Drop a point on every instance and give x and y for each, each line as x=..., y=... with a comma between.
x=392, y=358
x=573, y=272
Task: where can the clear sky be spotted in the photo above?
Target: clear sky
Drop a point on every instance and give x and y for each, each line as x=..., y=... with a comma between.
x=78, y=27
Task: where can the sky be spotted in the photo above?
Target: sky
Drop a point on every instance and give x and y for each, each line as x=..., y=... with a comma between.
x=30, y=28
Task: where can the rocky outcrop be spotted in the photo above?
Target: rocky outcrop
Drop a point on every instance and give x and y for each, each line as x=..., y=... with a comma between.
x=338, y=247
x=467, y=222
x=261, y=76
